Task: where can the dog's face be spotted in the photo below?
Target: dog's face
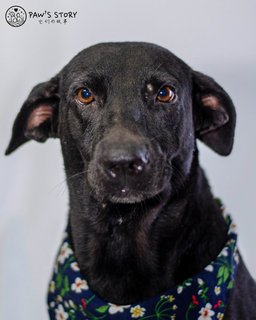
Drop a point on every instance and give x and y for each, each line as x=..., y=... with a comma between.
x=127, y=115
x=130, y=117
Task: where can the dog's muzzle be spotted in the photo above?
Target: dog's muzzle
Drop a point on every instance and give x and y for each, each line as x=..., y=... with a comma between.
x=122, y=169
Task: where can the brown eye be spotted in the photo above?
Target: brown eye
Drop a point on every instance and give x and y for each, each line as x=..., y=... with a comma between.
x=166, y=94
x=84, y=96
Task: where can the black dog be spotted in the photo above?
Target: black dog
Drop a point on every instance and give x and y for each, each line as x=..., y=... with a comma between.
x=142, y=217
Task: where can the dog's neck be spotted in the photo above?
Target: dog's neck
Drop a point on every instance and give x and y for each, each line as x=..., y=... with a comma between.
x=132, y=252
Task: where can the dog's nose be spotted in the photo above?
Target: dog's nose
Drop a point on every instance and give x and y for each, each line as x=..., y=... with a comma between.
x=123, y=160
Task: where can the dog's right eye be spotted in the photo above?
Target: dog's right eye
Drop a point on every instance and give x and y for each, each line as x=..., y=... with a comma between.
x=84, y=96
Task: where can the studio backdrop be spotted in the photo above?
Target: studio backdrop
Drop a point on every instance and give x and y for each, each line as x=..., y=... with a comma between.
x=37, y=40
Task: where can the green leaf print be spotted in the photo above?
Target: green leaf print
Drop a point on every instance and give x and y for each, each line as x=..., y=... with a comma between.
x=230, y=285
x=223, y=274
x=65, y=287
x=58, y=280
x=102, y=309
x=226, y=274
x=72, y=316
x=220, y=272
x=66, y=284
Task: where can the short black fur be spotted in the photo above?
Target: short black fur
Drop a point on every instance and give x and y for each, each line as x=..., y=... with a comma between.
x=142, y=216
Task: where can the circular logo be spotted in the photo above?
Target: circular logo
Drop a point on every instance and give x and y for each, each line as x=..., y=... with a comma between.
x=16, y=16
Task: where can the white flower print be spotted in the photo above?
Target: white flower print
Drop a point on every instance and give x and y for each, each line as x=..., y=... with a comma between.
x=206, y=312
x=209, y=268
x=116, y=308
x=217, y=290
x=74, y=266
x=60, y=313
x=71, y=303
x=220, y=316
x=233, y=228
x=137, y=311
x=179, y=289
x=200, y=281
x=184, y=285
x=224, y=252
x=52, y=287
x=79, y=285
x=170, y=298
x=65, y=252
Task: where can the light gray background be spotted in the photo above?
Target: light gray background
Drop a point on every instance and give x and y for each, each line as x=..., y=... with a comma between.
x=215, y=37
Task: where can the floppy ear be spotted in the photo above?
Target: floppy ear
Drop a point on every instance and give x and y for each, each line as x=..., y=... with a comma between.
x=38, y=117
x=214, y=114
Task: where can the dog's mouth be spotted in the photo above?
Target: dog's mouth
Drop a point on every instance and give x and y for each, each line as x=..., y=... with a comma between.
x=124, y=209
x=127, y=196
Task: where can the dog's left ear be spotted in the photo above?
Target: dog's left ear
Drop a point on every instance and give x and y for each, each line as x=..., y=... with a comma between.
x=214, y=114
x=38, y=117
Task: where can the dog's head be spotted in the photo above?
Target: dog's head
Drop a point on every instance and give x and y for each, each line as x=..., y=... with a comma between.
x=127, y=115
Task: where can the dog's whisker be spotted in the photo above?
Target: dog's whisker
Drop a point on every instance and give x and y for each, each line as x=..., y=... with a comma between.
x=76, y=175
x=62, y=184
x=59, y=187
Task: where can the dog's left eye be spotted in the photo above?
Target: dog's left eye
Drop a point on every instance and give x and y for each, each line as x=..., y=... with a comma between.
x=166, y=94
x=84, y=96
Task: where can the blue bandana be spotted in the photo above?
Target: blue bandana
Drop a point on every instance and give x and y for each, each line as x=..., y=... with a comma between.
x=203, y=297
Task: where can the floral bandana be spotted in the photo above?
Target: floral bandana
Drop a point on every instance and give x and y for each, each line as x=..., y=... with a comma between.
x=203, y=297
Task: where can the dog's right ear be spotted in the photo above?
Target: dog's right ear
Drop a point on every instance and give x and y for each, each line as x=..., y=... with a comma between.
x=38, y=117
